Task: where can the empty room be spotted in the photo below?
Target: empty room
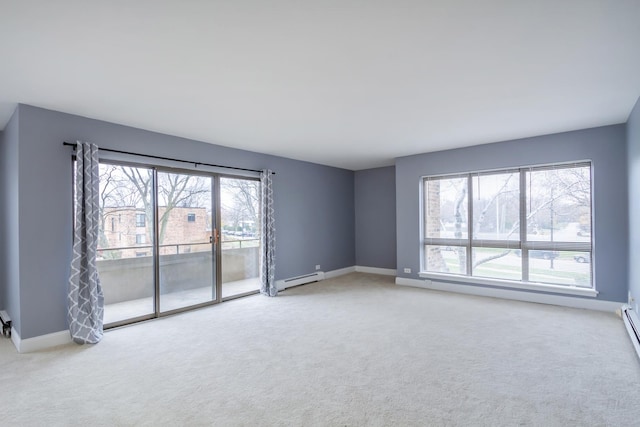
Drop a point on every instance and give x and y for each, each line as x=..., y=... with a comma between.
x=308, y=213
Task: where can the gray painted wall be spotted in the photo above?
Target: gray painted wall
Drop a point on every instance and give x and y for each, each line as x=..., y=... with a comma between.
x=9, y=220
x=633, y=144
x=315, y=217
x=375, y=204
x=605, y=146
x=327, y=216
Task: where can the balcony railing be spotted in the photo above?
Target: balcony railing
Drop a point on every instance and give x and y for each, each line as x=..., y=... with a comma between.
x=225, y=245
x=127, y=272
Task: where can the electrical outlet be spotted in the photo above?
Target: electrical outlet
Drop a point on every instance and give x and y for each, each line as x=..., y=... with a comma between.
x=407, y=270
x=317, y=266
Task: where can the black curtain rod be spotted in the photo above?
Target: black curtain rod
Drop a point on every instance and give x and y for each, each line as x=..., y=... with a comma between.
x=73, y=144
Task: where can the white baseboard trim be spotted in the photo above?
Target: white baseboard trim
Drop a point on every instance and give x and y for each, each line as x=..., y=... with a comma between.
x=40, y=342
x=376, y=270
x=589, y=304
x=339, y=272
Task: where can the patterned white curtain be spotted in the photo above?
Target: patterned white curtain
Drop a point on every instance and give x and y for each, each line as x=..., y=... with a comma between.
x=85, y=298
x=268, y=235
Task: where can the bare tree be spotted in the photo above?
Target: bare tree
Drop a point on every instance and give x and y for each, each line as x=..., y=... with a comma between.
x=126, y=188
x=576, y=190
x=115, y=196
x=570, y=196
x=244, y=200
x=180, y=190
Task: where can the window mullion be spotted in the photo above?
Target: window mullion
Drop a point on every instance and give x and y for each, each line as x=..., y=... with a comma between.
x=443, y=241
x=523, y=225
x=469, y=224
x=156, y=241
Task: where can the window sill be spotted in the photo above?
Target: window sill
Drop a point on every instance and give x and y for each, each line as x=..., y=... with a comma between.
x=528, y=286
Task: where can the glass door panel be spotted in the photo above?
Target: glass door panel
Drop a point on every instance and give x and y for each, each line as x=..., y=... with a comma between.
x=185, y=244
x=240, y=237
x=125, y=242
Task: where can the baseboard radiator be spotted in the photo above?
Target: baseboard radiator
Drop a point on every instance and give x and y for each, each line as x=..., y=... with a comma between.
x=301, y=280
x=632, y=324
x=5, y=322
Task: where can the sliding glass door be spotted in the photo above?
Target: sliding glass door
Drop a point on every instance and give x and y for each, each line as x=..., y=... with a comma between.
x=186, y=244
x=240, y=225
x=159, y=248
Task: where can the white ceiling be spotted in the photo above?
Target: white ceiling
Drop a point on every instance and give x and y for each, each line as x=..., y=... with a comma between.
x=351, y=84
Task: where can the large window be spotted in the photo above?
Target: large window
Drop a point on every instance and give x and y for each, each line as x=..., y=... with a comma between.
x=529, y=225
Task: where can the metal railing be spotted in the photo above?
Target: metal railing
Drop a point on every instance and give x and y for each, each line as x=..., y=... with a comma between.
x=225, y=245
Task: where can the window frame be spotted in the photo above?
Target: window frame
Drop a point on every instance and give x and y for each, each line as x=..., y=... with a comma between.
x=522, y=244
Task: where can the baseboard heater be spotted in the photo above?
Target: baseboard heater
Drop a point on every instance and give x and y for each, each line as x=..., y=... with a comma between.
x=303, y=280
x=6, y=323
x=632, y=324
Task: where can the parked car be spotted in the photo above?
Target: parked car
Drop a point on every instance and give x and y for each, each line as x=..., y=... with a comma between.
x=543, y=254
x=582, y=258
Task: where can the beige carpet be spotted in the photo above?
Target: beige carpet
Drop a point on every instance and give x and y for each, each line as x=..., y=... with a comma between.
x=356, y=350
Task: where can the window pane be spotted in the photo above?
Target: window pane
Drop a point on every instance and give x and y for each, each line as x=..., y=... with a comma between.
x=185, y=248
x=497, y=263
x=445, y=203
x=559, y=204
x=240, y=220
x=496, y=206
x=125, y=242
x=446, y=259
x=560, y=268
x=140, y=220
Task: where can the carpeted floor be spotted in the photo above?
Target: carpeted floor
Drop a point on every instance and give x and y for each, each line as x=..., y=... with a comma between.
x=351, y=351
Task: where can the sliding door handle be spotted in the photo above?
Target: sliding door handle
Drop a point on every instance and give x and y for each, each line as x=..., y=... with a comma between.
x=215, y=237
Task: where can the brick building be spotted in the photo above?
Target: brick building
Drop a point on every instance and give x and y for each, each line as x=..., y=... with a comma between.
x=126, y=232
